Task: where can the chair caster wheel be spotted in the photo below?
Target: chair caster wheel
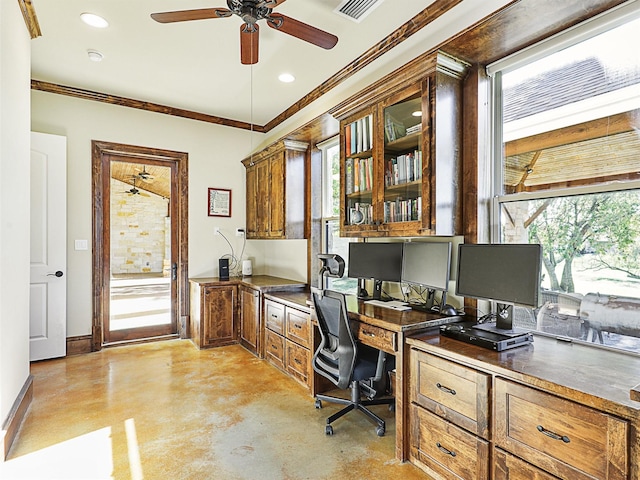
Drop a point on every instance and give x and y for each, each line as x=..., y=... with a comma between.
x=318, y=403
x=380, y=431
x=328, y=430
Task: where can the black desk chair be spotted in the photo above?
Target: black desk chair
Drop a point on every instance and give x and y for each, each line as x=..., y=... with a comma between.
x=349, y=364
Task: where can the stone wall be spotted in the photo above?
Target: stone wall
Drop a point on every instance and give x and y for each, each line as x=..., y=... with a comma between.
x=138, y=231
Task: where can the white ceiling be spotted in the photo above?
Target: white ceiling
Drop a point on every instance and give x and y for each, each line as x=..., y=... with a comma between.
x=195, y=65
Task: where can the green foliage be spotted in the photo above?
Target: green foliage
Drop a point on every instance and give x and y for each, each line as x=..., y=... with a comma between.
x=606, y=224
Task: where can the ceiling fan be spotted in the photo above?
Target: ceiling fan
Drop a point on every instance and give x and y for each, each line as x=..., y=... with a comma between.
x=136, y=191
x=252, y=11
x=143, y=175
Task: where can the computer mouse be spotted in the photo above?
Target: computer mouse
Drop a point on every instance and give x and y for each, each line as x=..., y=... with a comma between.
x=448, y=310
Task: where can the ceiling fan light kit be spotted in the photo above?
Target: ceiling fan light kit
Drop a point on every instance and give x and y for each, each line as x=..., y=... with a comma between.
x=251, y=12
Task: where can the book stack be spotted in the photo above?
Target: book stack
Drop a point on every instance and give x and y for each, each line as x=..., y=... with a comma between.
x=358, y=175
x=403, y=169
x=415, y=129
x=359, y=136
x=400, y=210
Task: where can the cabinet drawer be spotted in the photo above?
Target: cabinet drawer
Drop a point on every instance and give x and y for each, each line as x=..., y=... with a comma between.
x=298, y=326
x=564, y=438
x=274, y=313
x=297, y=361
x=379, y=338
x=508, y=467
x=445, y=449
x=274, y=348
x=455, y=392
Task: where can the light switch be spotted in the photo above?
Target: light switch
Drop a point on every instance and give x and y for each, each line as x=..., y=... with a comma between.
x=82, y=244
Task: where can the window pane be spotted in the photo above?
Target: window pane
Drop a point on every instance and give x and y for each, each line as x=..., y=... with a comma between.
x=591, y=263
x=331, y=182
x=572, y=117
x=339, y=245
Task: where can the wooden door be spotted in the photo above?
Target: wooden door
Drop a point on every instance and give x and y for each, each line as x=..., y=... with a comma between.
x=252, y=201
x=249, y=318
x=277, y=196
x=218, y=325
x=262, y=199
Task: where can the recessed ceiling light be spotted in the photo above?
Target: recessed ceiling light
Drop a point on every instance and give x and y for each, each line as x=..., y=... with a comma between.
x=94, y=20
x=417, y=113
x=286, y=78
x=95, y=55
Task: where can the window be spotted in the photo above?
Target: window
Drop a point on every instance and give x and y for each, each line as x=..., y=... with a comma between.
x=568, y=125
x=331, y=240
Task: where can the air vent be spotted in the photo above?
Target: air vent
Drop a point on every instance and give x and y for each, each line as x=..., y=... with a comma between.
x=356, y=10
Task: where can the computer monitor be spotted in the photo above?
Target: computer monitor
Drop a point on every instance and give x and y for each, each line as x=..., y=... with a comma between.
x=427, y=264
x=508, y=274
x=375, y=260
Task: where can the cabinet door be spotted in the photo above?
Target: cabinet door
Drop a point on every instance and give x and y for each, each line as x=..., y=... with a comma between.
x=402, y=165
x=276, y=198
x=262, y=207
x=252, y=201
x=249, y=318
x=218, y=326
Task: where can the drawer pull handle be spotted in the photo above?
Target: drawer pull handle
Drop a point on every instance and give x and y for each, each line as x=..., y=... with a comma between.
x=368, y=334
x=274, y=347
x=299, y=327
x=553, y=435
x=444, y=450
x=297, y=361
x=445, y=389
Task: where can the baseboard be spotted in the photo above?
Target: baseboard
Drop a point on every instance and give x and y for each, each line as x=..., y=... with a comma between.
x=16, y=416
x=79, y=345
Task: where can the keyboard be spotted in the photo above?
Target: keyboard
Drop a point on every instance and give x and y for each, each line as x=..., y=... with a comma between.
x=392, y=304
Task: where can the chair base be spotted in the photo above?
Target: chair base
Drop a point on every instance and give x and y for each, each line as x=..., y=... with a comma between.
x=355, y=403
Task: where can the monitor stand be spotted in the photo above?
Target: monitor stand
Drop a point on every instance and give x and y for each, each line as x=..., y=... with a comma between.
x=363, y=294
x=428, y=304
x=377, y=289
x=504, y=323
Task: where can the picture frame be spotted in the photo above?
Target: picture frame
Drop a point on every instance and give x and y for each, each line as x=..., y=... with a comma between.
x=219, y=202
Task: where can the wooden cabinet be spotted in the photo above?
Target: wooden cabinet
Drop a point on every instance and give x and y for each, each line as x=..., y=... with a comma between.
x=276, y=198
x=212, y=316
x=289, y=338
x=503, y=409
x=449, y=422
x=249, y=317
x=559, y=436
x=400, y=154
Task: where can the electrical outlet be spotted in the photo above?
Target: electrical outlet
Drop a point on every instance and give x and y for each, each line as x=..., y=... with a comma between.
x=239, y=232
x=216, y=230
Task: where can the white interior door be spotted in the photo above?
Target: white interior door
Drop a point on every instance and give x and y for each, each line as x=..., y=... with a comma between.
x=48, y=292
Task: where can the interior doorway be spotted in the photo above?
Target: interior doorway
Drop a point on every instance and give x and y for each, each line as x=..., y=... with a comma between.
x=139, y=244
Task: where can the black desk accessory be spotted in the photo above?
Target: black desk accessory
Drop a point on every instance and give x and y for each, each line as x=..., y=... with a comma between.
x=466, y=332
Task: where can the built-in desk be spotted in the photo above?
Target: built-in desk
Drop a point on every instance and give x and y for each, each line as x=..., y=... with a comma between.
x=386, y=329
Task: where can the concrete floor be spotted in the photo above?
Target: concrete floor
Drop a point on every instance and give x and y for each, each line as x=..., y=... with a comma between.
x=166, y=410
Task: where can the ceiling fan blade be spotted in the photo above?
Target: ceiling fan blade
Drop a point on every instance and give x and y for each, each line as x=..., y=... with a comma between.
x=249, y=35
x=302, y=31
x=186, y=15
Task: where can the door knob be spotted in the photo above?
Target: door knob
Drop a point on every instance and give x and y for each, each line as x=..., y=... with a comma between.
x=57, y=274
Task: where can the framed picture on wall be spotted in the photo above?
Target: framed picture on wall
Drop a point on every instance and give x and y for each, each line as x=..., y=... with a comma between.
x=219, y=202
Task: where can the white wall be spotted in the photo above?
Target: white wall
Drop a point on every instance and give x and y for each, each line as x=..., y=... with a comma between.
x=214, y=152
x=15, y=71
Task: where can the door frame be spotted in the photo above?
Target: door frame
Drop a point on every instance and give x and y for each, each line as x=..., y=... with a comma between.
x=100, y=180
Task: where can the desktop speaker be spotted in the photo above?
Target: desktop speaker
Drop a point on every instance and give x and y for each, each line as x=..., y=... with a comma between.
x=223, y=267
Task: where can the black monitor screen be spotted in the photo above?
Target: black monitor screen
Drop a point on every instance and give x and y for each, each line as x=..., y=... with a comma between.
x=505, y=273
x=382, y=261
x=427, y=264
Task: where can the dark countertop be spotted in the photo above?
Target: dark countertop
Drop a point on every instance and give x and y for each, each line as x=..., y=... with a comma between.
x=264, y=283
x=601, y=378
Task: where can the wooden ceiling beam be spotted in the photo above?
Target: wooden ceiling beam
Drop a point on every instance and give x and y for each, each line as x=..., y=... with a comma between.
x=602, y=127
x=30, y=18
